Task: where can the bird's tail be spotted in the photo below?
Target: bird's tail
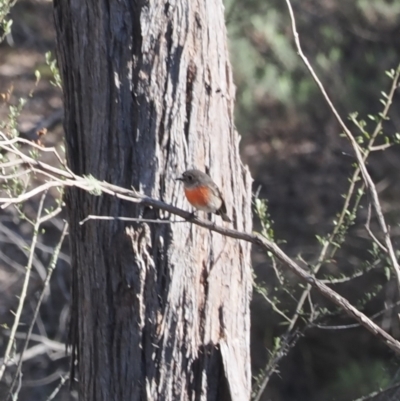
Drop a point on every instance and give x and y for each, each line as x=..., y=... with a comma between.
x=225, y=217
x=222, y=212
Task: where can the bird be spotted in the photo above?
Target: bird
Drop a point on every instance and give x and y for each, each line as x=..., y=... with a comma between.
x=203, y=193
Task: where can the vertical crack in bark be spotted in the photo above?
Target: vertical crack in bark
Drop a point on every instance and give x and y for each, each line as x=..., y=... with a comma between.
x=190, y=79
x=203, y=302
x=208, y=81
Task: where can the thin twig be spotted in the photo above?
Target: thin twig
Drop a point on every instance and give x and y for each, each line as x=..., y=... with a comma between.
x=52, y=265
x=31, y=161
x=52, y=214
x=42, y=339
x=24, y=287
x=380, y=147
x=262, y=291
x=8, y=142
x=346, y=279
x=64, y=379
x=371, y=234
x=94, y=217
x=23, y=246
x=287, y=342
x=39, y=349
x=28, y=195
x=354, y=325
x=374, y=394
x=16, y=175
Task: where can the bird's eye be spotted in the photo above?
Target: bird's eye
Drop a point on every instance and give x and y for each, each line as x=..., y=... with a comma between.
x=189, y=177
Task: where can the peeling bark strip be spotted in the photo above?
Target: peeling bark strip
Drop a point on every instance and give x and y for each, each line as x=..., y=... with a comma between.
x=159, y=312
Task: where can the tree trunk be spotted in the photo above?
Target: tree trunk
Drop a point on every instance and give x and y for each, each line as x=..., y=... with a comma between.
x=160, y=311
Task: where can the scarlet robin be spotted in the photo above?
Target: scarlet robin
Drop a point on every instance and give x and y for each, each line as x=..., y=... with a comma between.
x=202, y=193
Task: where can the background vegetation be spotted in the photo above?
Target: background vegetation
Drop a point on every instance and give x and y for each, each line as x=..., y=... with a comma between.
x=301, y=165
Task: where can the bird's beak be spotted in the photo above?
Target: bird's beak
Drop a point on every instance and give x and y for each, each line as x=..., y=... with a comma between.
x=179, y=179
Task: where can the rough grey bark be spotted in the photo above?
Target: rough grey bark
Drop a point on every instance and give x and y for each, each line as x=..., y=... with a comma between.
x=160, y=312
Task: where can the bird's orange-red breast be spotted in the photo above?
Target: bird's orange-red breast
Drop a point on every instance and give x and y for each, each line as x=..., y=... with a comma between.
x=202, y=193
